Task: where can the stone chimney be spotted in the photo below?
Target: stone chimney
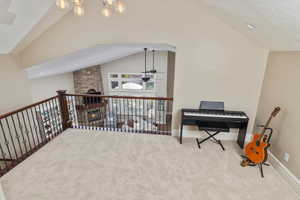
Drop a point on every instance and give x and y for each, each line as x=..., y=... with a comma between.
x=88, y=78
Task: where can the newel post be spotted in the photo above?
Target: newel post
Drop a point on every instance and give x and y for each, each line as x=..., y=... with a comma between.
x=66, y=123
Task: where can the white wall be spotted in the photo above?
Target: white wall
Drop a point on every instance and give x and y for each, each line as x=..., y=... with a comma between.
x=43, y=88
x=2, y=197
x=14, y=86
x=135, y=64
x=281, y=88
x=213, y=61
x=18, y=91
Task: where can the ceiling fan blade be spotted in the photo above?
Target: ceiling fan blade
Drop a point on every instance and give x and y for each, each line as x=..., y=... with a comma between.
x=149, y=71
x=146, y=79
x=153, y=71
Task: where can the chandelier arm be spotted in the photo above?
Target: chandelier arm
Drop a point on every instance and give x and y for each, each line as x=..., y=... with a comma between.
x=78, y=6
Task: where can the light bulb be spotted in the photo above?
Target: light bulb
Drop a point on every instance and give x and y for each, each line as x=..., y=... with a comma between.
x=78, y=2
x=79, y=11
x=106, y=12
x=63, y=4
x=120, y=6
x=110, y=2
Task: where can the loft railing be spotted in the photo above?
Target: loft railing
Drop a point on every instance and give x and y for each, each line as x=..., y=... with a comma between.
x=149, y=115
x=24, y=131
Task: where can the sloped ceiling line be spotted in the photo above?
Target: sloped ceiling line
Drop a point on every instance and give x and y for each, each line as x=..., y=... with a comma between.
x=96, y=55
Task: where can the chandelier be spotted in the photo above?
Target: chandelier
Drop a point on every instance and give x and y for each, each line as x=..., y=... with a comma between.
x=108, y=7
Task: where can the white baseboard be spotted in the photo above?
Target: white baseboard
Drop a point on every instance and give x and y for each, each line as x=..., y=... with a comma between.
x=285, y=173
x=196, y=133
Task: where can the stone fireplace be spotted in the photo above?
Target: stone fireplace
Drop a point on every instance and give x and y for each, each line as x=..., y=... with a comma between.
x=88, y=78
x=89, y=110
x=92, y=114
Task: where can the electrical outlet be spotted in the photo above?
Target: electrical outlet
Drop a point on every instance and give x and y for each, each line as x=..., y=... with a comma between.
x=286, y=157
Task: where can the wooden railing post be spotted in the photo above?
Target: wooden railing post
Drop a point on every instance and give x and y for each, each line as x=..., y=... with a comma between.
x=64, y=109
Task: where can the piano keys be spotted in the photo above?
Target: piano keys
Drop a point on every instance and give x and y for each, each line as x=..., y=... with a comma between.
x=228, y=114
x=216, y=118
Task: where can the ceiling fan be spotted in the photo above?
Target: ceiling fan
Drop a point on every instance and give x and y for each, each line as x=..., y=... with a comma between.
x=153, y=71
x=6, y=17
x=146, y=78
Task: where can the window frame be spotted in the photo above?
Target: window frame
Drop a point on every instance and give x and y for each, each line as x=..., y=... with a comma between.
x=119, y=79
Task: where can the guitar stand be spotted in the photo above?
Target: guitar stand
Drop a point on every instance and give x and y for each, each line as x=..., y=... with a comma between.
x=246, y=162
x=251, y=164
x=211, y=136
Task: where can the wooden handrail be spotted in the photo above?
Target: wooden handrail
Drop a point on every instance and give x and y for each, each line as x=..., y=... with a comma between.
x=25, y=132
x=82, y=95
x=67, y=114
x=25, y=108
x=121, y=97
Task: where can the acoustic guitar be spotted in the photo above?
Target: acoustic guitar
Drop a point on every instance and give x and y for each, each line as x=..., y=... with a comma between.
x=256, y=150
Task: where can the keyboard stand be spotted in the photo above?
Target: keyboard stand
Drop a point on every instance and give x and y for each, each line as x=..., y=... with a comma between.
x=210, y=136
x=215, y=131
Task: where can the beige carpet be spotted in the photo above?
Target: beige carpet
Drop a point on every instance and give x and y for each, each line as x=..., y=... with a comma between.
x=82, y=165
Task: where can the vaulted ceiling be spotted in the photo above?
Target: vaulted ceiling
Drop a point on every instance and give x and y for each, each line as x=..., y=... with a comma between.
x=274, y=24
x=18, y=18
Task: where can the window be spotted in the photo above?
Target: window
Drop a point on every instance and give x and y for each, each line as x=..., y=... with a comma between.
x=150, y=85
x=132, y=85
x=134, y=76
x=131, y=82
x=114, y=85
x=114, y=75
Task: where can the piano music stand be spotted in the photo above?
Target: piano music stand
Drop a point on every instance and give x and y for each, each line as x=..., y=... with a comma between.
x=217, y=128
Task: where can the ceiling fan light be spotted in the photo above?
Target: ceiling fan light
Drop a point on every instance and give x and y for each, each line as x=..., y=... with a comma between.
x=106, y=12
x=63, y=4
x=79, y=11
x=120, y=6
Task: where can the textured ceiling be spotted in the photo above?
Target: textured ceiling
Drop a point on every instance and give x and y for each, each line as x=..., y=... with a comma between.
x=27, y=14
x=277, y=22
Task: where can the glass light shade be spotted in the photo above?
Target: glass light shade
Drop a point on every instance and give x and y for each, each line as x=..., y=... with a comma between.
x=78, y=2
x=106, y=12
x=63, y=4
x=79, y=11
x=120, y=6
x=110, y=2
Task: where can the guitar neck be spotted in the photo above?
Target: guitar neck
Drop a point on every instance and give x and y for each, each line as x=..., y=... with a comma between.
x=265, y=127
x=274, y=113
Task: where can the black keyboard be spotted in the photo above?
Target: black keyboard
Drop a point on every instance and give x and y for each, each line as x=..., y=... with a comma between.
x=216, y=119
x=212, y=114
